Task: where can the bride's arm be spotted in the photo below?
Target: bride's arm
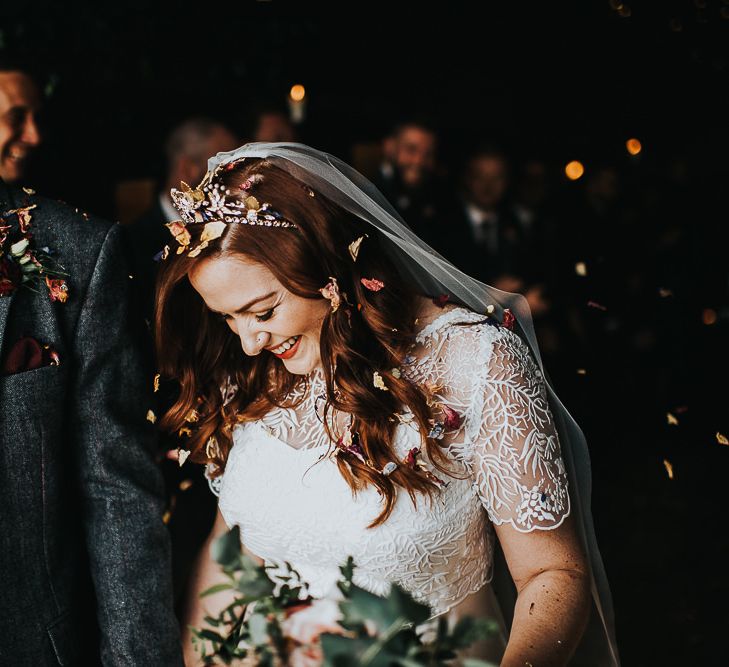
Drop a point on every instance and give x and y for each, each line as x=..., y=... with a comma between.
x=206, y=573
x=552, y=578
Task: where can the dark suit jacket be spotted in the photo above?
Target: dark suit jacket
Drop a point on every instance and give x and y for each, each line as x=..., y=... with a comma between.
x=80, y=492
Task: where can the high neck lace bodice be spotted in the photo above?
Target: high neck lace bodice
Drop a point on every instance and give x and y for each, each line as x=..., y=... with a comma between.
x=292, y=504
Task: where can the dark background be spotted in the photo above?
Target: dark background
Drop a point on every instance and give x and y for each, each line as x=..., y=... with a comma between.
x=557, y=81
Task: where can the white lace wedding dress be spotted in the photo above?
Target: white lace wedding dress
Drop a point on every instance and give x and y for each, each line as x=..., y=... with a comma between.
x=292, y=504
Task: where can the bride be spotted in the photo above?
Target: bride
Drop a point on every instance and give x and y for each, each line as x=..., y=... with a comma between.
x=352, y=393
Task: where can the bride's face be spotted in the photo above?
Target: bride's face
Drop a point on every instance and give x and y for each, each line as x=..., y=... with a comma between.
x=261, y=311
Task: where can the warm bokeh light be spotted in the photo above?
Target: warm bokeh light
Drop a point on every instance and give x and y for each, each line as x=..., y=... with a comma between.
x=574, y=170
x=297, y=93
x=634, y=146
x=709, y=316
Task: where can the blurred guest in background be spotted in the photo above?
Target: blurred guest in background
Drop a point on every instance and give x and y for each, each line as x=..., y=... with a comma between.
x=409, y=177
x=268, y=121
x=493, y=239
x=190, y=505
x=188, y=148
x=20, y=100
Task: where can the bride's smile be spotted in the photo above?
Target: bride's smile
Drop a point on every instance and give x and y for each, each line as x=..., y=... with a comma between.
x=261, y=311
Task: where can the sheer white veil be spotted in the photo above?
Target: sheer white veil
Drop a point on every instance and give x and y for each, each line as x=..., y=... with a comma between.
x=432, y=274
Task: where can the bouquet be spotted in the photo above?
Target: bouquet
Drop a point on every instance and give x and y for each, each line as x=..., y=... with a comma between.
x=277, y=623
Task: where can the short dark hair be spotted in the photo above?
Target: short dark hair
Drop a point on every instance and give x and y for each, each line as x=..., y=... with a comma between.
x=11, y=62
x=421, y=121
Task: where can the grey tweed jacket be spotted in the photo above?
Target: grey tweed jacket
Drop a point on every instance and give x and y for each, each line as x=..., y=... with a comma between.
x=84, y=553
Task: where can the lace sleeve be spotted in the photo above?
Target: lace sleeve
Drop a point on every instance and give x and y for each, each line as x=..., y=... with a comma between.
x=516, y=461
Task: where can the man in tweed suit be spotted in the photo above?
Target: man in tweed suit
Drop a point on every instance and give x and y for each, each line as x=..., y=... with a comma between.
x=84, y=553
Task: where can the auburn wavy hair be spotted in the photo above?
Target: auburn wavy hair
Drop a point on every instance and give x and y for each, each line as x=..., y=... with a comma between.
x=197, y=348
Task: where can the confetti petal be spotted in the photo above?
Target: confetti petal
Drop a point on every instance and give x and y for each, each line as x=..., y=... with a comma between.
x=671, y=419
x=722, y=439
x=182, y=455
x=354, y=247
x=156, y=382
x=410, y=459
x=509, y=319
x=331, y=291
x=211, y=447
x=57, y=290
x=372, y=284
x=379, y=382
x=390, y=467
x=452, y=418
x=595, y=304
x=669, y=468
x=151, y=417
x=441, y=300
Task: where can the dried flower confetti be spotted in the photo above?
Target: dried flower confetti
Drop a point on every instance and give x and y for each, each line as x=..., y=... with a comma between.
x=151, y=417
x=452, y=418
x=581, y=371
x=390, y=467
x=437, y=431
x=669, y=468
x=379, y=382
x=354, y=247
x=182, y=455
x=184, y=431
x=671, y=419
x=509, y=319
x=57, y=289
x=24, y=217
x=156, y=382
x=331, y=291
x=395, y=373
x=185, y=484
x=581, y=269
x=410, y=459
x=722, y=439
x=373, y=285
x=595, y=304
x=441, y=300
x=211, y=447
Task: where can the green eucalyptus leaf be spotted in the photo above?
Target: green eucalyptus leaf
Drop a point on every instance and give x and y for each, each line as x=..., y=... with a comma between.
x=469, y=630
x=226, y=550
x=342, y=651
x=216, y=589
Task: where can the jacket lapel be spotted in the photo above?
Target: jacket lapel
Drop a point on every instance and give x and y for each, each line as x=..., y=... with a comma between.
x=5, y=301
